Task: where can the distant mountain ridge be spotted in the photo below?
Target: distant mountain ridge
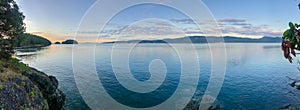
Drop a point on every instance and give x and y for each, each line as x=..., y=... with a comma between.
x=211, y=39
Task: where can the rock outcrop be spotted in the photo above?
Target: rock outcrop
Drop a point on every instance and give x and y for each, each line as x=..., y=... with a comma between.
x=19, y=93
x=48, y=85
x=25, y=88
x=296, y=84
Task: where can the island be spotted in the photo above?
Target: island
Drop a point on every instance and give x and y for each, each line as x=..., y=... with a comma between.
x=27, y=40
x=57, y=42
x=209, y=39
x=70, y=41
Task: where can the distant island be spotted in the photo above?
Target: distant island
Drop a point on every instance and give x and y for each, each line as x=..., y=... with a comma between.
x=69, y=41
x=211, y=39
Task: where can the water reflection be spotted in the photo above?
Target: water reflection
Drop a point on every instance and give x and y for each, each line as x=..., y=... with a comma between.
x=256, y=76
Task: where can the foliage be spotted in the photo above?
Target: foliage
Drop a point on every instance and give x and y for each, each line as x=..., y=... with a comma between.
x=11, y=26
x=30, y=40
x=14, y=64
x=291, y=40
x=32, y=93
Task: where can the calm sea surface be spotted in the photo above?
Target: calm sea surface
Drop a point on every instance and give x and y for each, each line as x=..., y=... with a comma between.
x=256, y=74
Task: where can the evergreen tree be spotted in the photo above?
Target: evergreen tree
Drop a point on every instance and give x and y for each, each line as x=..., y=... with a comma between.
x=11, y=26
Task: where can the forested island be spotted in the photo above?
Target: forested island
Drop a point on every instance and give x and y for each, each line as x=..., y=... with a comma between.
x=69, y=41
x=27, y=40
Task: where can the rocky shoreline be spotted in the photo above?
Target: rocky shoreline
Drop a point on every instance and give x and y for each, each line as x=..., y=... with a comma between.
x=48, y=85
x=29, y=89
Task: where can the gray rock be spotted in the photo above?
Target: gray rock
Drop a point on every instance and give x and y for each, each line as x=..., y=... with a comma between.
x=19, y=93
x=49, y=86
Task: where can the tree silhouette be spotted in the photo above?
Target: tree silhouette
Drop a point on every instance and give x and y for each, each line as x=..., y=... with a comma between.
x=11, y=27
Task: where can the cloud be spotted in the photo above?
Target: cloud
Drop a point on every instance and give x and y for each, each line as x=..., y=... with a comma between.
x=234, y=27
x=150, y=29
x=249, y=29
x=146, y=29
x=241, y=24
x=87, y=32
x=191, y=31
x=183, y=21
x=158, y=29
x=231, y=20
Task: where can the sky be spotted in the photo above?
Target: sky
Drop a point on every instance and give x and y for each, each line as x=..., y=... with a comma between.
x=58, y=20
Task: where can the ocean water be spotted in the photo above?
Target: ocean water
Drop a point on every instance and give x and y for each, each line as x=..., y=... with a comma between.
x=256, y=76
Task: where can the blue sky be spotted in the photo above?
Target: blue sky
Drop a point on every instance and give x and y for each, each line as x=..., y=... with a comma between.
x=59, y=19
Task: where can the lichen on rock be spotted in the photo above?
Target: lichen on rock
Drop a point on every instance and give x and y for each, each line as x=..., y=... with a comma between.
x=15, y=95
x=48, y=85
x=25, y=88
